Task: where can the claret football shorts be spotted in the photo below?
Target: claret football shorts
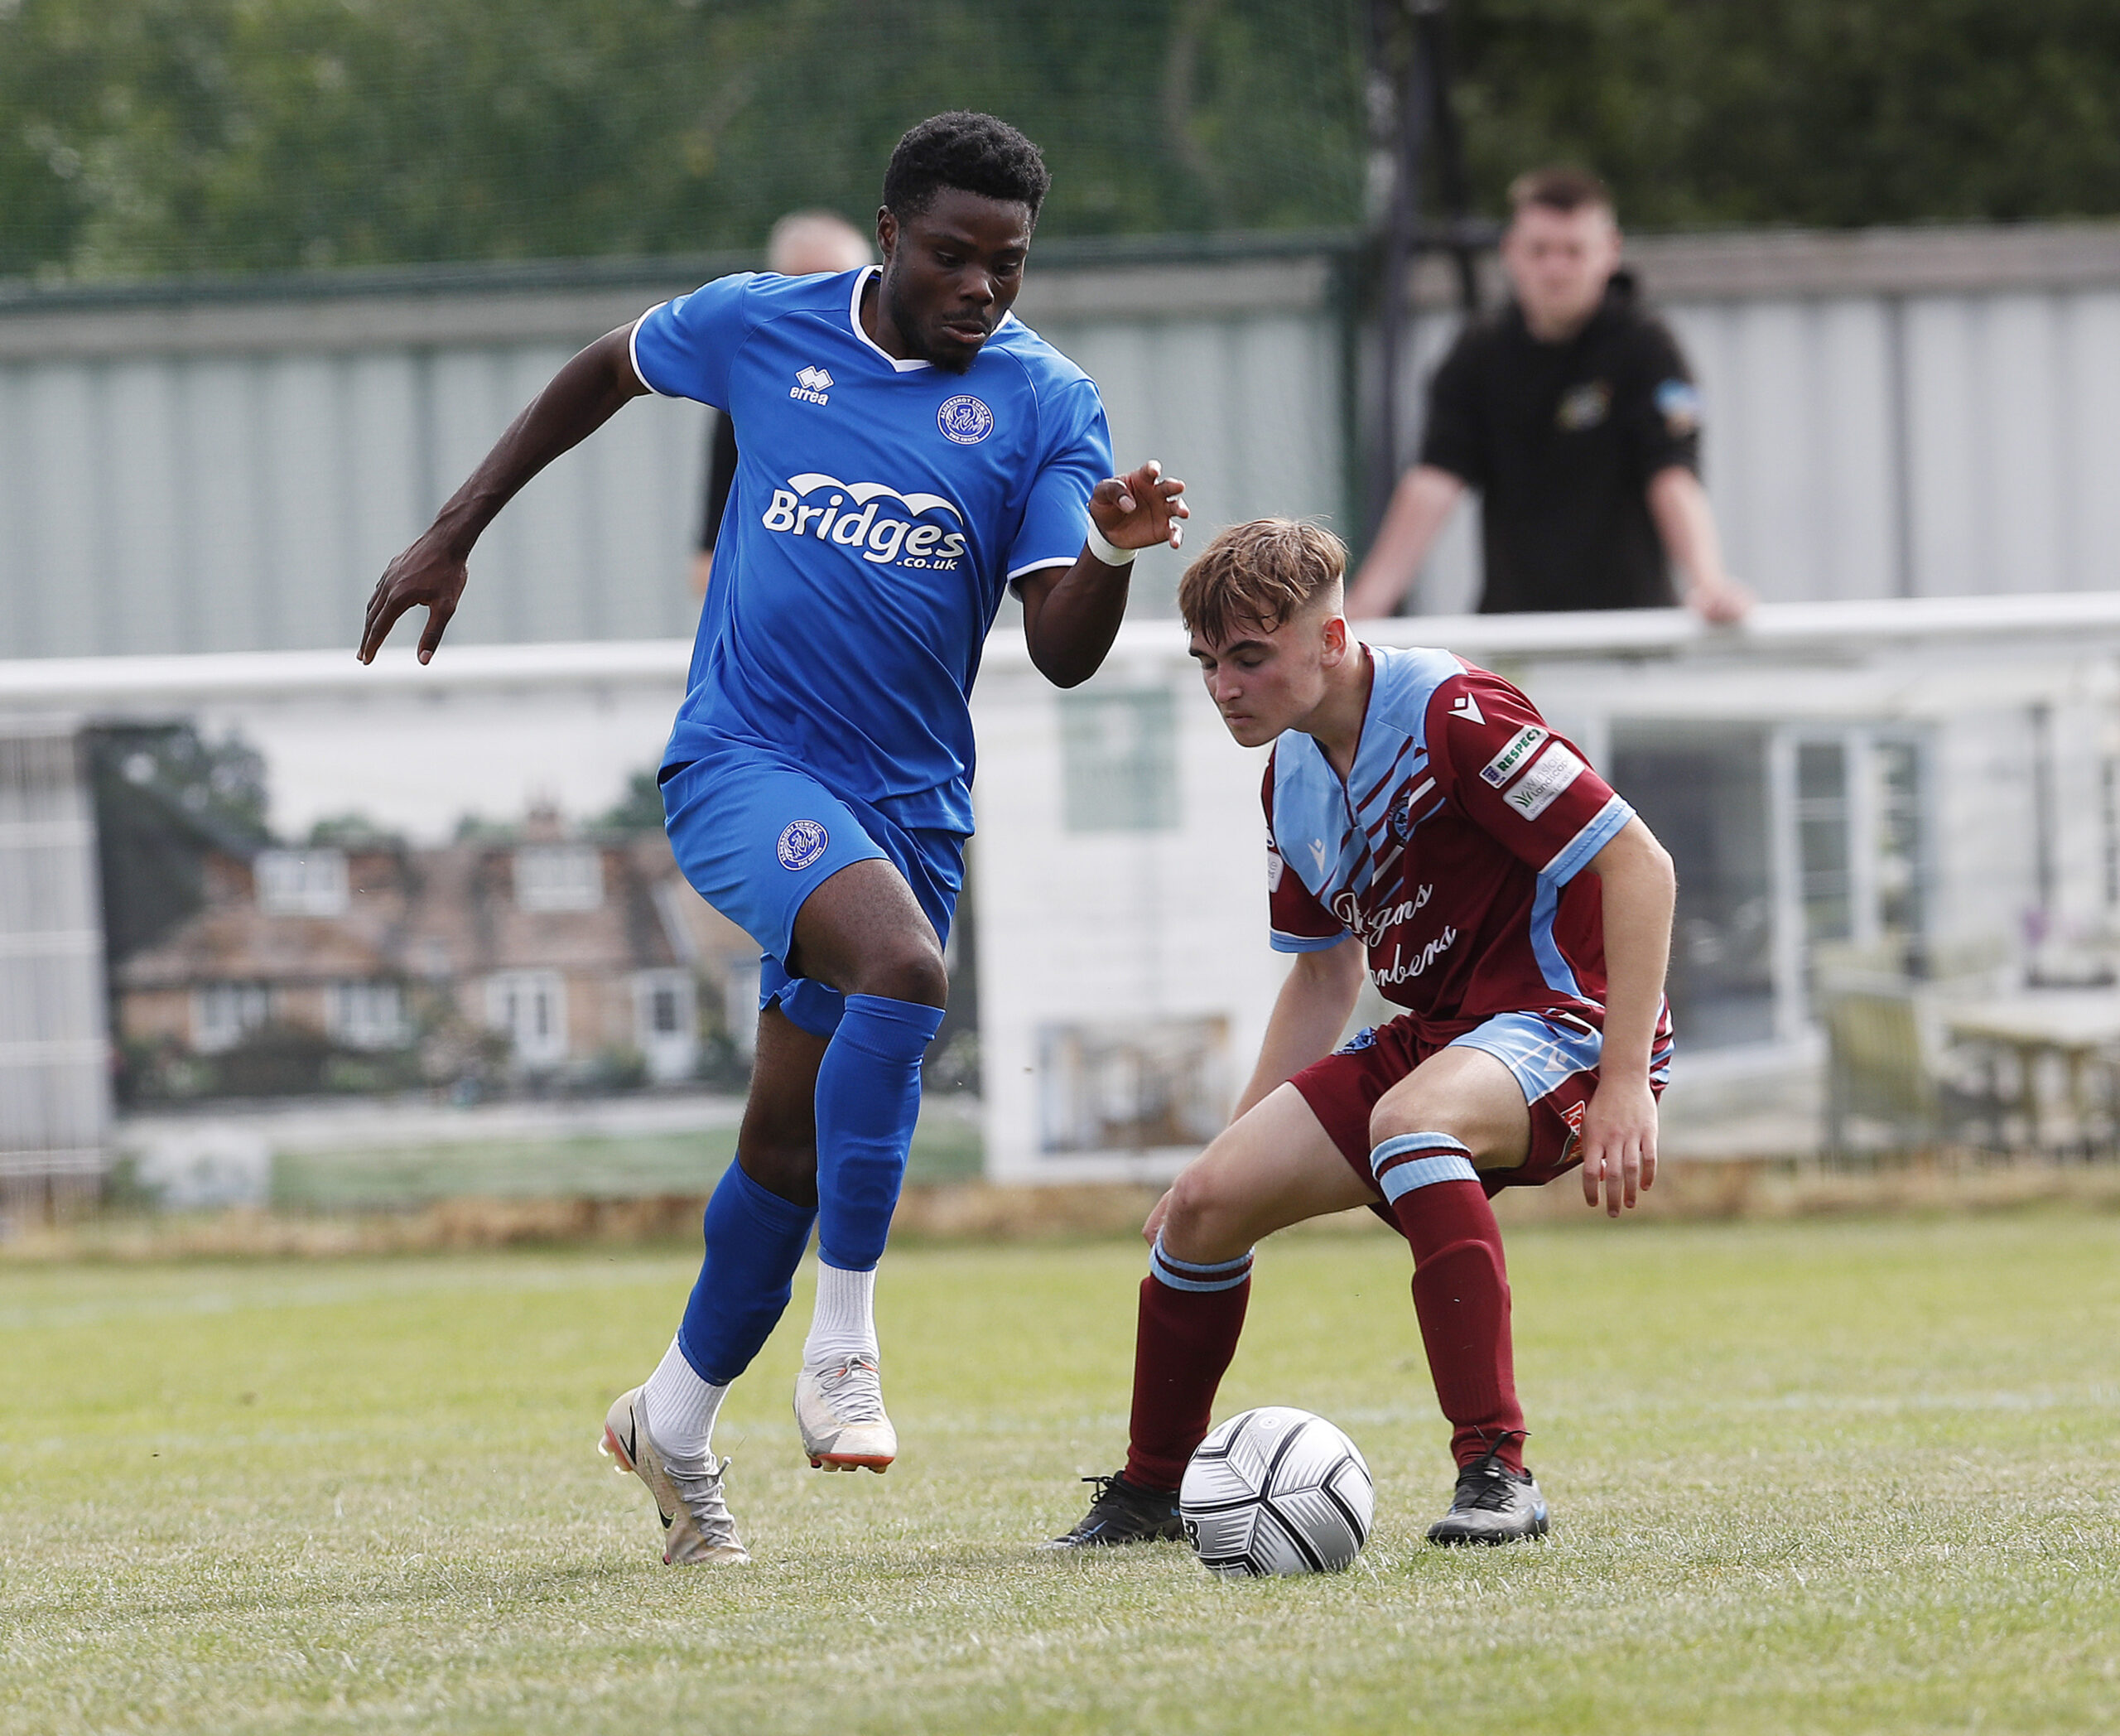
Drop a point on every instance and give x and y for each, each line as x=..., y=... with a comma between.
x=1554, y=1057
x=756, y=836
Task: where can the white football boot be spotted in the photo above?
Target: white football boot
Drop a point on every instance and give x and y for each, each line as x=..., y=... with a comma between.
x=698, y=1530
x=840, y=1410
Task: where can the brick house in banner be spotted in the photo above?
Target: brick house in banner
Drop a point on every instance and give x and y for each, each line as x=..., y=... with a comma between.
x=566, y=956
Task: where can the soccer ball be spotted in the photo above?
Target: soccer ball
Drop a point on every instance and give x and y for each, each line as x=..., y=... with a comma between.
x=1276, y=1491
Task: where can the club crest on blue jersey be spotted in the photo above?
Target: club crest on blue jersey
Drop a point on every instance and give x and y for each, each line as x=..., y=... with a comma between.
x=965, y=420
x=803, y=843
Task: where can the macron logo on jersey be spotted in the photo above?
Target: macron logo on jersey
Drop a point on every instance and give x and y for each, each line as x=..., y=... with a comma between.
x=1466, y=706
x=810, y=385
x=847, y=515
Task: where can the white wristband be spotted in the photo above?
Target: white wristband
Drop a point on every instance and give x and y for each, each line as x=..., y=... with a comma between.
x=1110, y=553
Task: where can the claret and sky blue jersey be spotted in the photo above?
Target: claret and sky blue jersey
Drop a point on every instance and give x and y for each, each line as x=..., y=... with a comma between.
x=880, y=507
x=1452, y=850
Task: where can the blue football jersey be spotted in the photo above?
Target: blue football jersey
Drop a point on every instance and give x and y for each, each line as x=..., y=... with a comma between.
x=880, y=508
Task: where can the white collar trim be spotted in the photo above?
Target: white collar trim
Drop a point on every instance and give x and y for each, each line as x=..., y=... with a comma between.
x=854, y=321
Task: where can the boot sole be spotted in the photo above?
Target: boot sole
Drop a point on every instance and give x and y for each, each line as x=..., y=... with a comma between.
x=850, y=1462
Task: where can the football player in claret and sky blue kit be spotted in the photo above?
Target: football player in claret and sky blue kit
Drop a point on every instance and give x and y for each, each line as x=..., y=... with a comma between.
x=908, y=450
x=1424, y=825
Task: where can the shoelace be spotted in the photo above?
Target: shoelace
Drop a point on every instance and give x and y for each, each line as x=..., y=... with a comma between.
x=855, y=1390
x=701, y=1491
x=1104, y=1486
x=1498, y=1486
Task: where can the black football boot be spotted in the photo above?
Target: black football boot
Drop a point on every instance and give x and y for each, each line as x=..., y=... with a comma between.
x=1493, y=1504
x=1124, y=1512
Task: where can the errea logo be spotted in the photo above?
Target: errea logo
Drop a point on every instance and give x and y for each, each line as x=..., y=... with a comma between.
x=810, y=385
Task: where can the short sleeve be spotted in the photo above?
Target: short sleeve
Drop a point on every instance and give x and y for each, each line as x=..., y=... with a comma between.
x=1451, y=439
x=1298, y=922
x=683, y=348
x=1527, y=788
x=1662, y=417
x=1077, y=456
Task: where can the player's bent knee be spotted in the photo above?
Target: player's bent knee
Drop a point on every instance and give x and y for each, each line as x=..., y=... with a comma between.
x=1207, y=1218
x=1417, y=1112
x=911, y=973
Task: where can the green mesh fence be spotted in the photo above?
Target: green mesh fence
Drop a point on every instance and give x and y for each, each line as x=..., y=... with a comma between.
x=144, y=137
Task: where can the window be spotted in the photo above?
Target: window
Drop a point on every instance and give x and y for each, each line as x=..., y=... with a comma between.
x=559, y=877
x=1119, y=752
x=365, y=1014
x=666, y=1023
x=302, y=882
x=223, y=1014
x=530, y=1007
x=1822, y=839
x=1862, y=852
x=1896, y=771
x=1702, y=791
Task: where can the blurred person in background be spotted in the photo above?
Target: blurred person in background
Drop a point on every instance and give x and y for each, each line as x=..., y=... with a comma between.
x=802, y=244
x=1573, y=413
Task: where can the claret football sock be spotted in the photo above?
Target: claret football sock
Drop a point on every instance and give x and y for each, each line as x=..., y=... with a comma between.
x=1460, y=1290
x=680, y=1407
x=845, y=1323
x=867, y=1100
x=754, y=1242
x=1190, y=1320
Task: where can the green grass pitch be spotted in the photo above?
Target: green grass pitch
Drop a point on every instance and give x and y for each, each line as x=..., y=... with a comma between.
x=1849, y=1477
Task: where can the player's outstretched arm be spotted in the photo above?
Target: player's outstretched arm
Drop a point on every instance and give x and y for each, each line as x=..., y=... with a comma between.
x=1071, y=613
x=579, y=399
x=1619, y=1124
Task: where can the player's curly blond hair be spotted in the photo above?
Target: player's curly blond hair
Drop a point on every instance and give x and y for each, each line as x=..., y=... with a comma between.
x=1260, y=573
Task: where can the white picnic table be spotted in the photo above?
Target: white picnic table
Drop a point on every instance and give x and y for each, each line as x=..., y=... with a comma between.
x=2074, y=1025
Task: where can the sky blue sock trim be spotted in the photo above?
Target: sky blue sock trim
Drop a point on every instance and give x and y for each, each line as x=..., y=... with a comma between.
x=1166, y=1268
x=1399, y=1171
x=1425, y=1172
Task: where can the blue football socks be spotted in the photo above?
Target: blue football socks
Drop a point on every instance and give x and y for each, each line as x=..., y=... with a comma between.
x=867, y=1100
x=754, y=1242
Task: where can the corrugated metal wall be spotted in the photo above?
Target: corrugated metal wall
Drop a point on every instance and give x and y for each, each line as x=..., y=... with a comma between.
x=236, y=479
x=55, y=1063
x=1925, y=414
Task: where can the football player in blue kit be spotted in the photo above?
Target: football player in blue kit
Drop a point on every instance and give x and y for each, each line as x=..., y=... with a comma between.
x=909, y=448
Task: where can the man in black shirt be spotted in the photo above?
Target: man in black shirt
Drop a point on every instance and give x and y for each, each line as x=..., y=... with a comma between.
x=1573, y=413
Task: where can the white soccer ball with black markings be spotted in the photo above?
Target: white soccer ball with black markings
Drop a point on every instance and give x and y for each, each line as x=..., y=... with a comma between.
x=1277, y=1491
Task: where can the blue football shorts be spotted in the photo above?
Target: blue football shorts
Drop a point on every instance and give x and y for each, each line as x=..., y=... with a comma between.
x=756, y=836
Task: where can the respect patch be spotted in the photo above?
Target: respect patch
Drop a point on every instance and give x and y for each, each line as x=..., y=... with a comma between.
x=1513, y=757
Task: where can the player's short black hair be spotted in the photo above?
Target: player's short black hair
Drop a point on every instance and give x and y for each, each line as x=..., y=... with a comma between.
x=974, y=152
